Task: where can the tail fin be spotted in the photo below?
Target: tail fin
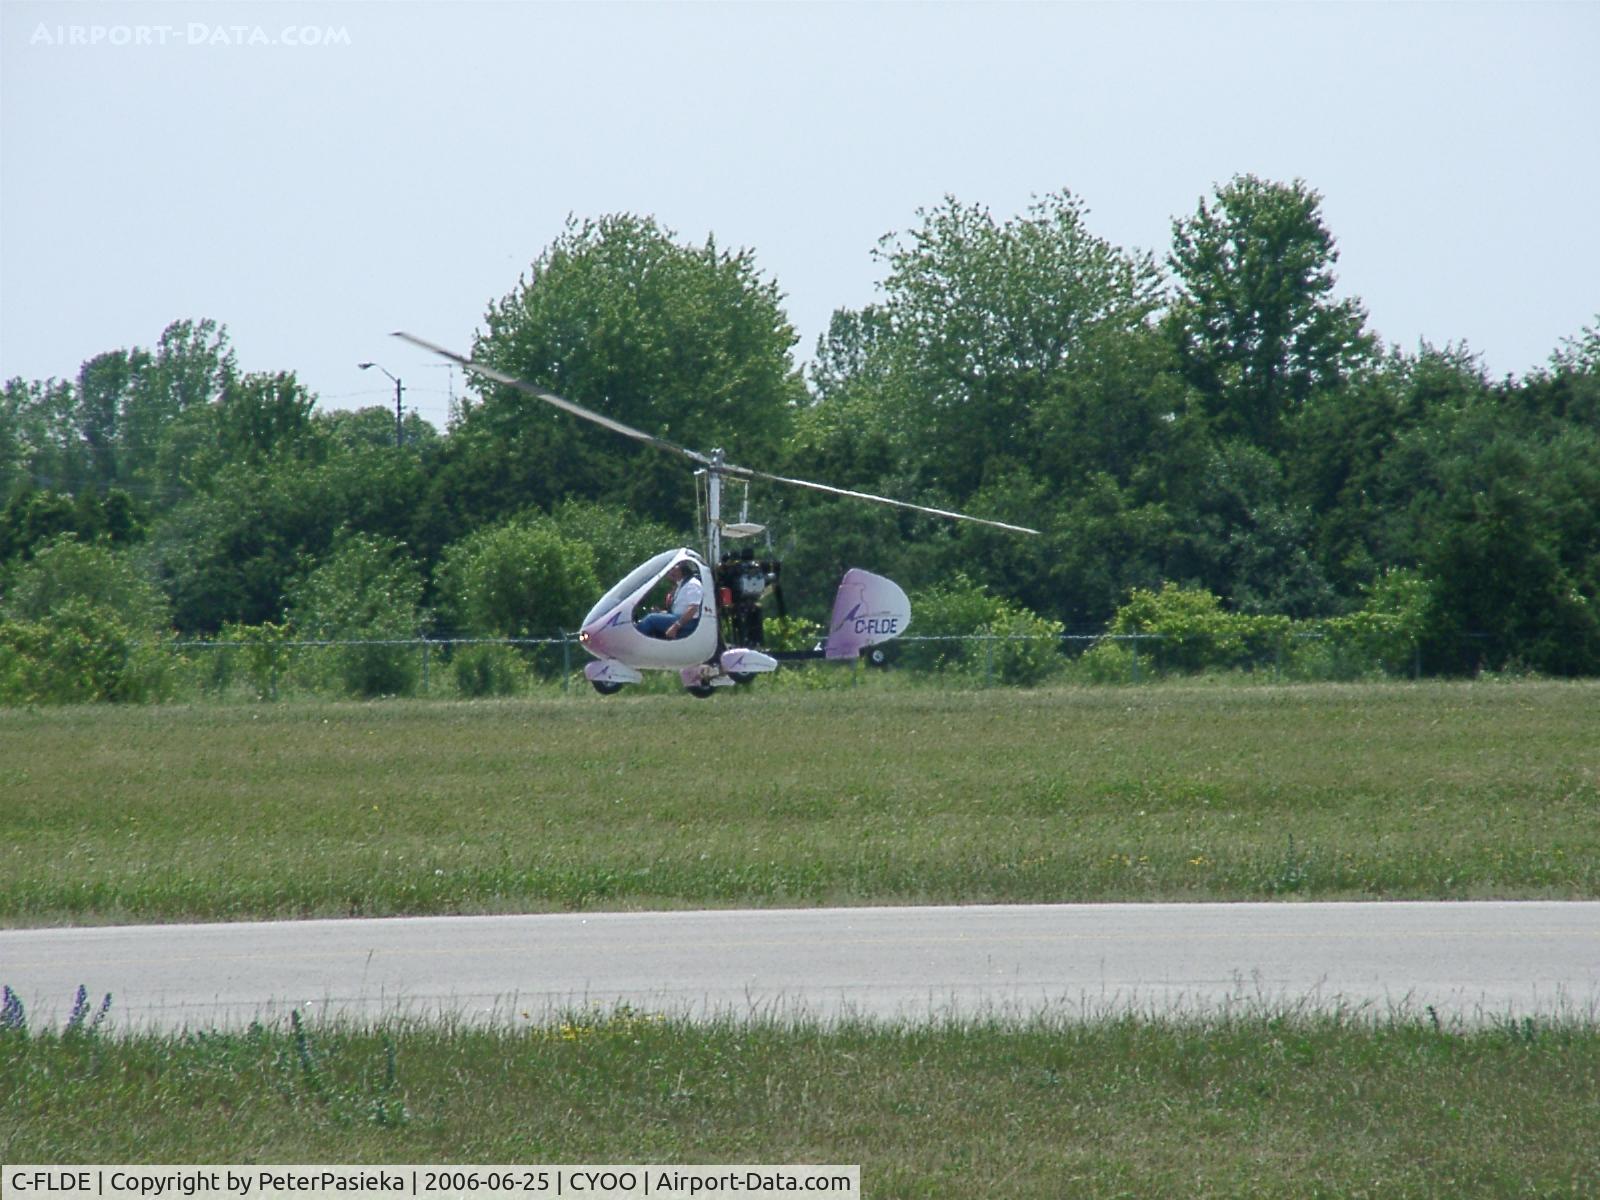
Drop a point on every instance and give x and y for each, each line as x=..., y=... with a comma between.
x=868, y=609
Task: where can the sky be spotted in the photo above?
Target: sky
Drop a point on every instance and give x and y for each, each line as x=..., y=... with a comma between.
x=315, y=175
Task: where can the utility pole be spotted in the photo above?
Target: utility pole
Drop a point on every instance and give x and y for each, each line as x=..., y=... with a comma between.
x=399, y=409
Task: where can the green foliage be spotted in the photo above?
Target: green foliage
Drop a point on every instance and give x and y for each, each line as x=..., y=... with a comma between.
x=791, y=633
x=264, y=652
x=1516, y=559
x=110, y=425
x=482, y=671
x=1195, y=633
x=82, y=623
x=31, y=518
x=686, y=341
x=79, y=653
x=372, y=428
x=1256, y=326
x=1244, y=538
x=619, y=539
x=1385, y=632
x=234, y=553
x=521, y=579
x=982, y=315
x=1238, y=436
x=65, y=569
x=369, y=590
x=993, y=638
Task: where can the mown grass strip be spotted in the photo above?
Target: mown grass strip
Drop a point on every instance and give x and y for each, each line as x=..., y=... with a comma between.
x=868, y=795
x=1261, y=1104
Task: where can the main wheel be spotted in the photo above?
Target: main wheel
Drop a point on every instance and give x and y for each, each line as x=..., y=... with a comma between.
x=742, y=677
x=605, y=687
x=701, y=691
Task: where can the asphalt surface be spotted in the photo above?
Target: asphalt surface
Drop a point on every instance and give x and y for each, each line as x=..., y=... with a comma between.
x=1471, y=961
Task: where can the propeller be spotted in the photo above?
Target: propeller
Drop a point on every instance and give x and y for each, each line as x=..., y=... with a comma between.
x=714, y=462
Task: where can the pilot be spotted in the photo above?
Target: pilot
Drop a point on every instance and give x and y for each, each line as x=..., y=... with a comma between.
x=683, y=616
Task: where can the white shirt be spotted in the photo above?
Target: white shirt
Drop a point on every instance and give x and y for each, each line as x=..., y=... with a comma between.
x=690, y=593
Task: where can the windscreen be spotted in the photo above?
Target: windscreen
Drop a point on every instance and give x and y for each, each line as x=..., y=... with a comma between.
x=637, y=578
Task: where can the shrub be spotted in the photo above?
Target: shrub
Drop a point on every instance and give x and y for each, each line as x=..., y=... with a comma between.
x=1196, y=633
x=619, y=539
x=80, y=653
x=366, y=590
x=66, y=569
x=263, y=652
x=790, y=633
x=481, y=671
x=519, y=579
x=1386, y=630
x=992, y=637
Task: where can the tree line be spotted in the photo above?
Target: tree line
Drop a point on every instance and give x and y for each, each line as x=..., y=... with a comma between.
x=1218, y=426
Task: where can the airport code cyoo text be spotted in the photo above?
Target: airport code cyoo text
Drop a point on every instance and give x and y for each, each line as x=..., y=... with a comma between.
x=434, y=1182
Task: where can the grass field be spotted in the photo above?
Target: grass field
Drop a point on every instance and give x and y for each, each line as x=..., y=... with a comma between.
x=864, y=795
x=1268, y=1105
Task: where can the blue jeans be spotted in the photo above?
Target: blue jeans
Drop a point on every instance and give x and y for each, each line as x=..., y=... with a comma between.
x=656, y=625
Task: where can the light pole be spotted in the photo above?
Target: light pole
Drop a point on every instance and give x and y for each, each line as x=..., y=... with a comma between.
x=399, y=388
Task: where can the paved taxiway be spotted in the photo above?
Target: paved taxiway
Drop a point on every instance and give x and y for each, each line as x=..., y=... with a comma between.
x=1470, y=961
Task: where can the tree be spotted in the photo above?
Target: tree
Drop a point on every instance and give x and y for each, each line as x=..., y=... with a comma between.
x=42, y=436
x=31, y=518
x=1512, y=553
x=1358, y=458
x=367, y=589
x=688, y=342
x=520, y=579
x=191, y=370
x=982, y=318
x=618, y=539
x=372, y=427
x=1256, y=326
x=1570, y=389
x=13, y=447
x=969, y=386
x=105, y=384
x=67, y=569
x=1240, y=535
x=231, y=554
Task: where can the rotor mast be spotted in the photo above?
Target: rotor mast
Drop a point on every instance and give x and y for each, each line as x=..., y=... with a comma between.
x=714, y=509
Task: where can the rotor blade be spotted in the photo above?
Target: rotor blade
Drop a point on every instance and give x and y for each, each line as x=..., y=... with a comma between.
x=638, y=435
x=577, y=410
x=747, y=473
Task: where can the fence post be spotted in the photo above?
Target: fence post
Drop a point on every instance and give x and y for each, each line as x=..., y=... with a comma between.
x=566, y=664
x=1134, y=642
x=424, y=664
x=988, y=661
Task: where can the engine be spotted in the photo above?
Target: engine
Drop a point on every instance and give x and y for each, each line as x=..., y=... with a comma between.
x=743, y=582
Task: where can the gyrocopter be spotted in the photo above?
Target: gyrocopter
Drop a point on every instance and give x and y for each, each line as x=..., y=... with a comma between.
x=711, y=632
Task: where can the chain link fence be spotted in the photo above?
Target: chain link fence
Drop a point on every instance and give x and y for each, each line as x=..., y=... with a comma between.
x=471, y=668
